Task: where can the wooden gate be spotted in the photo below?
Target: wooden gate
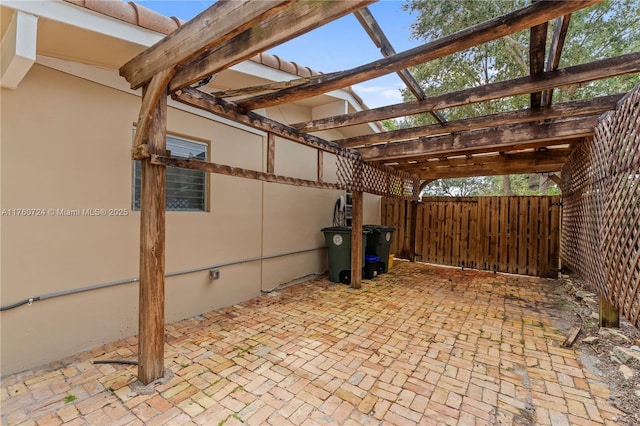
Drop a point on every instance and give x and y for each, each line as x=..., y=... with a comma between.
x=518, y=235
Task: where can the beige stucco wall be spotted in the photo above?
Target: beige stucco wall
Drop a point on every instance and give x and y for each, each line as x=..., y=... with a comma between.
x=66, y=145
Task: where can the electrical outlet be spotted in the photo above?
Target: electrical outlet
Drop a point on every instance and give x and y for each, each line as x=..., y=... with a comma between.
x=214, y=274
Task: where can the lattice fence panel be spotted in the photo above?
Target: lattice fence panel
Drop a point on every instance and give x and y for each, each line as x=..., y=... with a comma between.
x=356, y=175
x=601, y=215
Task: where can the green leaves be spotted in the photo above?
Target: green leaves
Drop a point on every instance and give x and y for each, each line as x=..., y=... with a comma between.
x=608, y=29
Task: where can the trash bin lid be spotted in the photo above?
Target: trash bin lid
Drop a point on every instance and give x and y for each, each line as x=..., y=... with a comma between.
x=380, y=228
x=343, y=230
x=337, y=229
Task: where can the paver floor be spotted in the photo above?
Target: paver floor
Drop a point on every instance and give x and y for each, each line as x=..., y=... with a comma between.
x=419, y=345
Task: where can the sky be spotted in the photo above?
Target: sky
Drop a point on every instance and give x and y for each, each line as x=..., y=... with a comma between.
x=339, y=45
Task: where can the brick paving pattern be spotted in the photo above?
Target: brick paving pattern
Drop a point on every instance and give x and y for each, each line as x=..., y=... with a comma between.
x=419, y=345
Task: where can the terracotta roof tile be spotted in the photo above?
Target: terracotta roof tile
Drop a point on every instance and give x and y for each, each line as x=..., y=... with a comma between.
x=141, y=16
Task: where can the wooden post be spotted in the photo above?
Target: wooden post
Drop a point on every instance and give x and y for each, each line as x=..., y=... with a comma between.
x=320, y=166
x=152, y=240
x=356, y=239
x=271, y=153
x=414, y=230
x=609, y=314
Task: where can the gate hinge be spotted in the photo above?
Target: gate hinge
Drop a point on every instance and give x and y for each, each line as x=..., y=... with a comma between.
x=557, y=204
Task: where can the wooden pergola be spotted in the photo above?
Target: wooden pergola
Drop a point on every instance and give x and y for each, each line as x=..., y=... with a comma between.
x=537, y=139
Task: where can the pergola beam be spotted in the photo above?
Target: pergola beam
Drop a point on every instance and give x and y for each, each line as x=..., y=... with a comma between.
x=503, y=138
x=568, y=109
x=228, y=110
x=491, y=170
x=372, y=28
x=493, y=29
x=297, y=19
x=484, y=150
x=153, y=92
x=555, y=51
x=537, y=48
x=490, y=165
x=596, y=70
x=219, y=23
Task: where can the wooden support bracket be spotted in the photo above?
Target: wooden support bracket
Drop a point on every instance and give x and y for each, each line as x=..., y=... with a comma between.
x=140, y=152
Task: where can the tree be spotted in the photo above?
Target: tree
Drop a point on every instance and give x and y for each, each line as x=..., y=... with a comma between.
x=607, y=29
x=456, y=187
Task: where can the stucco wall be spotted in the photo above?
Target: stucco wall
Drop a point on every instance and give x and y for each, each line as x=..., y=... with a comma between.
x=66, y=145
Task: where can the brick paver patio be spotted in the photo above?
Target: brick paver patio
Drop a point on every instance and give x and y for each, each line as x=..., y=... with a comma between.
x=419, y=345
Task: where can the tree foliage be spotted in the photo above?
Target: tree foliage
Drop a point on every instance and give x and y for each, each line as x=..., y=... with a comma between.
x=491, y=186
x=608, y=29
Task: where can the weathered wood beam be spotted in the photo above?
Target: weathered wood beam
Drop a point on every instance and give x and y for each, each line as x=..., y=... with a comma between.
x=299, y=18
x=271, y=153
x=231, y=111
x=517, y=136
x=488, y=170
x=152, y=251
x=510, y=23
x=268, y=87
x=469, y=153
x=216, y=25
x=537, y=157
x=370, y=25
x=537, y=48
x=156, y=89
x=568, y=109
x=502, y=164
x=555, y=51
x=424, y=184
x=187, y=163
x=556, y=179
x=320, y=166
x=605, y=68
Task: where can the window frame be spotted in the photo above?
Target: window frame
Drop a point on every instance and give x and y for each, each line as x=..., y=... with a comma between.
x=207, y=186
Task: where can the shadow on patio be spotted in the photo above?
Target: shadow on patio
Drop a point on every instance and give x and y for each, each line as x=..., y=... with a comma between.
x=419, y=345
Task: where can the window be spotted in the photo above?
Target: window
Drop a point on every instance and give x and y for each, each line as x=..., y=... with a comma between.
x=186, y=189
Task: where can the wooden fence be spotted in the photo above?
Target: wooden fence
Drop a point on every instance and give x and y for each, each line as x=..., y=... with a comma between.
x=601, y=223
x=518, y=235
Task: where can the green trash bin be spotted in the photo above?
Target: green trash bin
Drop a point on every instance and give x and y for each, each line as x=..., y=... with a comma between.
x=338, y=239
x=379, y=243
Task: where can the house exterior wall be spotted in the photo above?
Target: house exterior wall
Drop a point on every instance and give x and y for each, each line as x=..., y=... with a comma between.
x=66, y=145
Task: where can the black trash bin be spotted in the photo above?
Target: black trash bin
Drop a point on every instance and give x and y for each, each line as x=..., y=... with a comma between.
x=379, y=243
x=338, y=239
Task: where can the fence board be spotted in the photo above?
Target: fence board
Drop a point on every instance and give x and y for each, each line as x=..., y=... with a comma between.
x=503, y=264
x=544, y=237
x=505, y=234
x=533, y=236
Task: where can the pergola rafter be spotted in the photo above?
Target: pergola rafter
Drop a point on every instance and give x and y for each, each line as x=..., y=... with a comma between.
x=370, y=25
x=501, y=138
x=493, y=29
x=569, y=109
x=577, y=74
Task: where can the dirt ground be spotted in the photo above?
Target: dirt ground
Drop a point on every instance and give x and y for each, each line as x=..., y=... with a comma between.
x=577, y=306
